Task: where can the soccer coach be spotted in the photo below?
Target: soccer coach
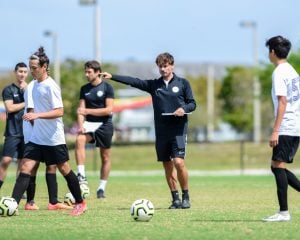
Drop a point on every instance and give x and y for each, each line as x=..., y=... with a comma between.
x=173, y=100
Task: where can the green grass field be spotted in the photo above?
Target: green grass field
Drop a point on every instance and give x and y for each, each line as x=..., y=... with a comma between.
x=223, y=207
x=200, y=156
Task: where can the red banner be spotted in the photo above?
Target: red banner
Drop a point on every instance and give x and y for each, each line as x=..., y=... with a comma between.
x=131, y=103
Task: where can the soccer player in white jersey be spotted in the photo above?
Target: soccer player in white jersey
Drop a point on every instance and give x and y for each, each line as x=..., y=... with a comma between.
x=47, y=142
x=285, y=136
x=50, y=175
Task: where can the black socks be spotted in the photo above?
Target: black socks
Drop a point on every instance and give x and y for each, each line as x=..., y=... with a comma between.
x=21, y=185
x=185, y=194
x=31, y=189
x=74, y=187
x=175, y=195
x=293, y=180
x=52, y=187
x=282, y=186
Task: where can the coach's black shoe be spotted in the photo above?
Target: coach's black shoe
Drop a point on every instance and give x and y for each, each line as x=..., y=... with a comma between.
x=176, y=204
x=185, y=203
x=100, y=193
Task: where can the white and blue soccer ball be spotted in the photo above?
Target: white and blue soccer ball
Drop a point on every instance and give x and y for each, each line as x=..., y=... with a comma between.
x=69, y=199
x=85, y=190
x=142, y=210
x=8, y=206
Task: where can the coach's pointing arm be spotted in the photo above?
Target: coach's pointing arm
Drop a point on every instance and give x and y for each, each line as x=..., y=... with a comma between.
x=134, y=82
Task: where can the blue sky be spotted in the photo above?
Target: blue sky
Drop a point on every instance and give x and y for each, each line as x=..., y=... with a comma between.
x=192, y=30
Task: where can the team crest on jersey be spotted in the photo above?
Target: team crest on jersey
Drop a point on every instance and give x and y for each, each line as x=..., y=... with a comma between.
x=175, y=89
x=99, y=93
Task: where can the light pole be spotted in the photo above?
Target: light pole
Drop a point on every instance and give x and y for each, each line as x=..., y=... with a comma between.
x=55, y=55
x=210, y=102
x=256, y=84
x=97, y=54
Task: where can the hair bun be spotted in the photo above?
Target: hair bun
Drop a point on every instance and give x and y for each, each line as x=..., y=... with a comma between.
x=41, y=50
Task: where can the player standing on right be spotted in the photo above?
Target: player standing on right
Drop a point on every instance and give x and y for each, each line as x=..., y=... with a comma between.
x=286, y=128
x=172, y=99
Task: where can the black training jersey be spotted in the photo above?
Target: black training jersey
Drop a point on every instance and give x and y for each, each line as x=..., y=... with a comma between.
x=166, y=99
x=14, y=121
x=95, y=97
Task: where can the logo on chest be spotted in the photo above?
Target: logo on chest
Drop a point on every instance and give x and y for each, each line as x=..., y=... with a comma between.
x=175, y=89
x=100, y=93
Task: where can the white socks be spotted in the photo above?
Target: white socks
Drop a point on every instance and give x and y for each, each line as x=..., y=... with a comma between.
x=284, y=213
x=102, y=184
x=81, y=170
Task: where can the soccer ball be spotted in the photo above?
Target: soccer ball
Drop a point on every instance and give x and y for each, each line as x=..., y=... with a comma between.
x=69, y=199
x=142, y=210
x=8, y=207
x=85, y=190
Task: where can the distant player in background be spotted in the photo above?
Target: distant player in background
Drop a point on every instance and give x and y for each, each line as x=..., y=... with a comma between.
x=285, y=136
x=94, y=116
x=47, y=142
x=13, y=97
x=172, y=99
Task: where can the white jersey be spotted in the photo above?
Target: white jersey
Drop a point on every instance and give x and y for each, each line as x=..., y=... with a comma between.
x=286, y=82
x=46, y=96
x=27, y=127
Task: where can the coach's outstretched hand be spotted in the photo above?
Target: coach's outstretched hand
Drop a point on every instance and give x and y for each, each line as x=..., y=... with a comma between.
x=106, y=75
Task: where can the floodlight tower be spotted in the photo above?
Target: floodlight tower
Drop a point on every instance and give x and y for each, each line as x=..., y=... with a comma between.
x=97, y=13
x=56, y=61
x=256, y=84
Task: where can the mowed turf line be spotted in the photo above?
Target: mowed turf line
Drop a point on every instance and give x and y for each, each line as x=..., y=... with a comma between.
x=222, y=208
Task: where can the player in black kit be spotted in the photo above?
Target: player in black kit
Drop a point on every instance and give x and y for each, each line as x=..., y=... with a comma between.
x=172, y=102
x=13, y=97
x=94, y=116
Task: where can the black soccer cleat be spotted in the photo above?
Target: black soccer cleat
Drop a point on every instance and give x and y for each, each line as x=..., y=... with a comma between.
x=176, y=204
x=100, y=193
x=185, y=203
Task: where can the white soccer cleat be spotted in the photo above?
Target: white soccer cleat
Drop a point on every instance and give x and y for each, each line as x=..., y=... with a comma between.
x=278, y=217
x=82, y=179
